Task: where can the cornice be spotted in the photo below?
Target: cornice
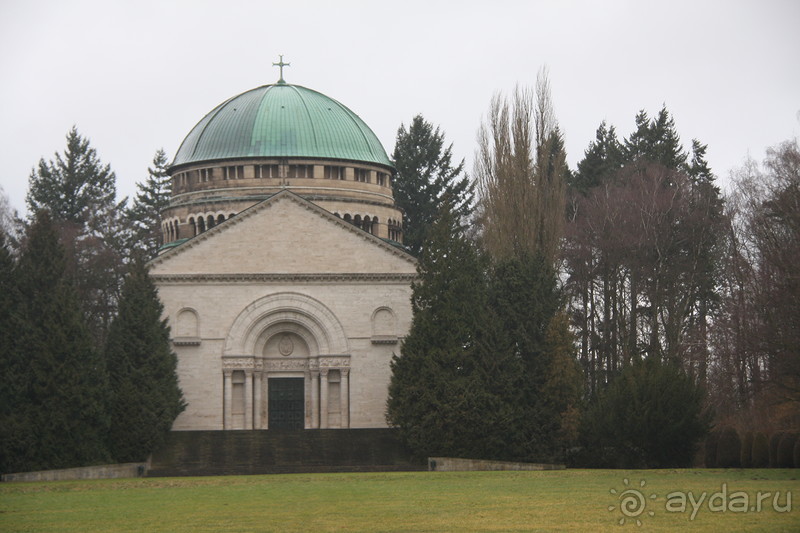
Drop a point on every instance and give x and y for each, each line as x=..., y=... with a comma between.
x=345, y=277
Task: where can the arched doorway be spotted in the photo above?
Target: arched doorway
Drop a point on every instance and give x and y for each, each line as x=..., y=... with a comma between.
x=285, y=374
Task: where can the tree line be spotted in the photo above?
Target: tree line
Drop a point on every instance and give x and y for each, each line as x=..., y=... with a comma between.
x=88, y=372
x=608, y=315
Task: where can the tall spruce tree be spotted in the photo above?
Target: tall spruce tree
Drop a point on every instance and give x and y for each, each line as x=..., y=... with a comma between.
x=80, y=194
x=142, y=369
x=447, y=389
x=425, y=178
x=601, y=160
x=64, y=385
x=75, y=187
x=144, y=216
x=13, y=429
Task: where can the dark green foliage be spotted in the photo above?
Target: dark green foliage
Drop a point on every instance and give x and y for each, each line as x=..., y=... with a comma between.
x=77, y=188
x=746, y=455
x=650, y=416
x=655, y=141
x=710, y=449
x=785, y=455
x=796, y=453
x=524, y=295
x=146, y=397
x=144, y=216
x=774, y=441
x=63, y=388
x=601, y=160
x=760, y=453
x=451, y=389
x=79, y=192
x=562, y=390
x=729, y=448
x=12, y=426
x=425, y=179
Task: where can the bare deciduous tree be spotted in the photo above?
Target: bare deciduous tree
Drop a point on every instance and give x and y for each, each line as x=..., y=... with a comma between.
x=520, y=169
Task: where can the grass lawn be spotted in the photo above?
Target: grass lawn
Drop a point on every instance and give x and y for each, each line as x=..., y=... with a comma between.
x=567, y=500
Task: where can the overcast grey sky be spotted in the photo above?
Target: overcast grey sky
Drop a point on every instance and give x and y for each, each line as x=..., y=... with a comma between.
x=136, y=76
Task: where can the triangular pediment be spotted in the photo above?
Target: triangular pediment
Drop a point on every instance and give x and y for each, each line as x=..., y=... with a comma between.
x=284, y=234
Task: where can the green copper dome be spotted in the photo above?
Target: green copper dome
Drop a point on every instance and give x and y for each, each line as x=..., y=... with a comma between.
x=281, y=120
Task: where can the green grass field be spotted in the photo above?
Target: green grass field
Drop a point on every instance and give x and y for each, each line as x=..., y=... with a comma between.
x=571, y=500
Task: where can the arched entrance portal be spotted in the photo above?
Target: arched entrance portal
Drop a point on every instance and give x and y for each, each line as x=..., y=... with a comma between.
x=292, y=369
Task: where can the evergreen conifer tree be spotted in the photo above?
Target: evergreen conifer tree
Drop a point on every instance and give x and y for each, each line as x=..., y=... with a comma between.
x=447, y=387
x=652, y=415
x=426, y=178
x=12, y=428
x=144, y=216
x=80, y=194
x=142, y=369
x=76, y=187
x=64, y=387
x=601, y=160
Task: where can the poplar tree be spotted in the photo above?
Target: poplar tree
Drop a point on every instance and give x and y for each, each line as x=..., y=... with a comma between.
x=146, y=398
x=521, y=171
x=426, y=177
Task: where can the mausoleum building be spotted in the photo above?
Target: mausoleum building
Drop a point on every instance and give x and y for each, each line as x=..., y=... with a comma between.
x=283, y=274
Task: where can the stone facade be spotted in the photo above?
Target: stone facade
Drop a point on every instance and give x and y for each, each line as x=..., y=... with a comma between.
x=285, y=293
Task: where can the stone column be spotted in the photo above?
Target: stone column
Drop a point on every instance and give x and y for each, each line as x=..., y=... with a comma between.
x=323, y=398
x=308, y=399
x=265, y=400
x=248, y=399
x=227, y=415
x=344, y=391
x=314, y=399
x=257, y=404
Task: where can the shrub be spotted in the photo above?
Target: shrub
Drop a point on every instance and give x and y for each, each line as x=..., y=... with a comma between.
x=796, y=454
x=728, y=448
x=651, y=415
x=786, y=450
x=711, y=449
x=746, y=455
x=760, y=452
x=774, y=440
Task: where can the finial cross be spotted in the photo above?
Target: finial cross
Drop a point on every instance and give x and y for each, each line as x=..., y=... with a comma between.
x=281, y=64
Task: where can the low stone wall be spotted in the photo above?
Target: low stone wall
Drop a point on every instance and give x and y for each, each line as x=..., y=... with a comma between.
x=84, y=472
x=451, y=464
x=275, y=451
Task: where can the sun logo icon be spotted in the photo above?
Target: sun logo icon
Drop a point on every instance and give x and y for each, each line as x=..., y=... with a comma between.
x=632, y=502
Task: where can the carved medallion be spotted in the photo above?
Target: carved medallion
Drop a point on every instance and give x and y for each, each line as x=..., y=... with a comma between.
x=286, y=346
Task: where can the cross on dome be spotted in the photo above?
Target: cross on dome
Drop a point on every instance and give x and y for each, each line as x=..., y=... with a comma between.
x=281, y=64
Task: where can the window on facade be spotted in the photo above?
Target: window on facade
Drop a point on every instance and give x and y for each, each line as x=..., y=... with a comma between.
x=206, y=174
x=334, y=173
x=301, y=171
x=362, y=175
x=266, y=171
x=234, y=173
x=381, y=179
